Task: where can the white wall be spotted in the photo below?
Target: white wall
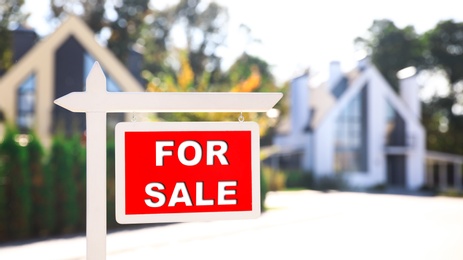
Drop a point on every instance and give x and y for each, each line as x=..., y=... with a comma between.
x=298, y=138
x=377, y=125
x=416, y=147
x=323, y=148
x=409, y=92
x=416, y=172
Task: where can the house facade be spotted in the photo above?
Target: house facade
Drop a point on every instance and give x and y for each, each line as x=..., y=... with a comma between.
x=53, y=67
x=356, y=126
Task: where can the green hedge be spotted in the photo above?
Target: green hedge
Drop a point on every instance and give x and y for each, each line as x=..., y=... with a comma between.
x=15, y=190
x=43, y=193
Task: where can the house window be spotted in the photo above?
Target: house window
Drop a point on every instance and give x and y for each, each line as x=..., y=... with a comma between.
x=350, y=139
x=26, y=104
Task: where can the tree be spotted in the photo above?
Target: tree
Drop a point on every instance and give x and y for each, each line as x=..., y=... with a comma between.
x=125, y=29
x=155, y=32
x=392, y=48
x=204, y=26
x=42, y=209
x=441, y=48
x=79, y=177
x=15, y=196
x=92, y=12
x=443, y=127
x=445, y=45
x=247, y=74
x=444, y=122
x=61, y=169
x=124, y=25
x=10, y=14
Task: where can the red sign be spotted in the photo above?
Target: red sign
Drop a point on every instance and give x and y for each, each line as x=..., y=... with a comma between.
x=170, y=172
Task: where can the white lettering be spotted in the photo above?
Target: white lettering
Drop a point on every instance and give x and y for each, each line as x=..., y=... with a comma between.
x=200, y=201
x=222, y=192
x=185, y=198
x=196, y=158
x=150, y=192
x=219, y=153
x=160, y=152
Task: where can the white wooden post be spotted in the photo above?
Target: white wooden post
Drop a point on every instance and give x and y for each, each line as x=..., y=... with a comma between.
x=96, y=102
x=96, y=170
x=96, y=185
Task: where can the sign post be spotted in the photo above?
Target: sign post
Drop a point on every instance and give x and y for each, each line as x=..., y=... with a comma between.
x=96, y=102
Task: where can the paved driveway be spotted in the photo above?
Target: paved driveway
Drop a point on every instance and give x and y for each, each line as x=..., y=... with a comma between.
x=298, y=225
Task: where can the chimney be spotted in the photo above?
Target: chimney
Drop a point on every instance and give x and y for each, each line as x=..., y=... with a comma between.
x=300, y=104
x=335, y=74
x=410, y=90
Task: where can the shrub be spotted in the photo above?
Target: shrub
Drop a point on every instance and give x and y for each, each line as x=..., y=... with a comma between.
x=299, y=179
x=79, y=175
x=330, y=182
x=111, y=183
x=275, y=179
x=42, y=196
x=15, y=197
x=263, y=190
x=61, y=169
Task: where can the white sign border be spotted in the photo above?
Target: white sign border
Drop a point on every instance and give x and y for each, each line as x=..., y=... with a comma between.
x=121, y=128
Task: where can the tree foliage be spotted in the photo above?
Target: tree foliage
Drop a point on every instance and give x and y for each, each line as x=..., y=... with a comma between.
x=443, y=127
x=392, y=49
x=440, y=48
x=125, y=29
x=61, y=169
x=15, y=193
x=445, y=45
x=203, y=25
x=10, y=14
x=92, y=12
x=247, y=74
x=443, y=119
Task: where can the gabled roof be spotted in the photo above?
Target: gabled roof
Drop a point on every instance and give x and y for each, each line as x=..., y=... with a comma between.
x=40, y=61
x=354, y=87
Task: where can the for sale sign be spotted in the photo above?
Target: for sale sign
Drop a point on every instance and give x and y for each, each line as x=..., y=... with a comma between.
x=176, y=172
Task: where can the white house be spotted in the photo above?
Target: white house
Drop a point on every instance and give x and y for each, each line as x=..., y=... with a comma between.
x=357, y=126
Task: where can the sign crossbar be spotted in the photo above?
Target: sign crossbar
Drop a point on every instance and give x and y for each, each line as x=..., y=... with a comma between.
x=97, y=99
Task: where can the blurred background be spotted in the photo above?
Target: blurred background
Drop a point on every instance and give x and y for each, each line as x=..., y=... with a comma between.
x=373, y=94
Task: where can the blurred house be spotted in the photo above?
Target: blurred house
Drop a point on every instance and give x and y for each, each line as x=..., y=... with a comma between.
x=357, y=127
x=53, y=67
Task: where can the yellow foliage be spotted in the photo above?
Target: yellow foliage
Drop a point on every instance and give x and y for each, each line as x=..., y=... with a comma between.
x=151, y=87
x=251, y=83
x=186, y=76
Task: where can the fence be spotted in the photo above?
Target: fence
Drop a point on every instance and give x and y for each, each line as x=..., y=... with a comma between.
x=444, y=171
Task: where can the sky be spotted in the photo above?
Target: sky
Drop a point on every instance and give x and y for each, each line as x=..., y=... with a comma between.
x=294, y=35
